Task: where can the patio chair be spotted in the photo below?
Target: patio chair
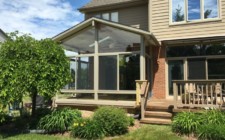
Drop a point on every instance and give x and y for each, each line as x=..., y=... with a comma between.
x=190, y=91
x=194, y=93
x=219, y=92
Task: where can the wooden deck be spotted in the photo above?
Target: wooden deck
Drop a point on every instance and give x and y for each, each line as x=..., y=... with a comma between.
x=79, y=102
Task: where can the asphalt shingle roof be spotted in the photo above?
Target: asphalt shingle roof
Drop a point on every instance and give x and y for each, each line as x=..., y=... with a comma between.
x=98, y=3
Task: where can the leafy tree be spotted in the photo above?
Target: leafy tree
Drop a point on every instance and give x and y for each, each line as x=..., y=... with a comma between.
x=207, y=13
x=178, y=15
x=31, y=67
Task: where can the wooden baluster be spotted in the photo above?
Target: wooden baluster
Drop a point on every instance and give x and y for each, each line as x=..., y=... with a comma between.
x=221, y=94
x=193, y=93
x=216, y=95
x=207, y=93
x=198, y=92
x=185, y=94
x=181, y=93
x=202, y=94
x=211, y=91
x=175, y=91
x=189, y=97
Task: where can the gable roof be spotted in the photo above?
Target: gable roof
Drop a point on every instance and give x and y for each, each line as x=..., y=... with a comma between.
x=103, y=3
x=90, y=22
x=3, y=35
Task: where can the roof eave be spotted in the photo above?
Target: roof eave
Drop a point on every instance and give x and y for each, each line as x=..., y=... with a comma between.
x=111, y=6
x=5, y=35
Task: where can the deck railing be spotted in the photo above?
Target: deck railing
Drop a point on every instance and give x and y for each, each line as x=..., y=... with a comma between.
x=142, y=90
x=199, y=93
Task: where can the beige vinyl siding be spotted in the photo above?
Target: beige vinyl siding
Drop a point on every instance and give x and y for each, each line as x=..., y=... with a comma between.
x=162, y=29
x=137, y=15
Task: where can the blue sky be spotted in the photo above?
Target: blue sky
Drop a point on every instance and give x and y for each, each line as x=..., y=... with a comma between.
x=40, y=18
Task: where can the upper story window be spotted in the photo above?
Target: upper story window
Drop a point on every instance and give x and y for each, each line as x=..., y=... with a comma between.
x=112, y=16
x=194, y=10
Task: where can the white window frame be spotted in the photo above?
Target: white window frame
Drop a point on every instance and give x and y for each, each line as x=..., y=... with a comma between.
x=202, y=19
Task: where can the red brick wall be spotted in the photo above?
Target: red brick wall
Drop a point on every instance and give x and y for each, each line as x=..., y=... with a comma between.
x=159, y=79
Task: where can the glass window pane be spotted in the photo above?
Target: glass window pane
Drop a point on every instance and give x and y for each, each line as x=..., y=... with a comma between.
x=178, y=7
x=105, y=16
x=211, y=9
x=196, y=50
x=85, y=73
x=114, y=17
x=215, y=49
x=176, y=72
x=216, y=69
x=194, y=9
x=108, y=72
x=71, y=85
x=72, y=71
x=129, y=71
x=196, y=69
x=186, y=50
x=116, y=40
x=97, y=16
x=82, y=43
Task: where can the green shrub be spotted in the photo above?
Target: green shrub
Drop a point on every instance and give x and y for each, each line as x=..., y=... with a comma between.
x=2, y=116
x=40, y=113
x=131, y=121
x=113, y=120
x=213, y=117
x=59, y=120
x=211, y=132
x=21, y=124
x=87, y=129
x=186, y=123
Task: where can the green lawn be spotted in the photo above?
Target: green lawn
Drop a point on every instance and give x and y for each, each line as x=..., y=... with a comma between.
x=35, y=137
x=151, y=132
x=146, y=132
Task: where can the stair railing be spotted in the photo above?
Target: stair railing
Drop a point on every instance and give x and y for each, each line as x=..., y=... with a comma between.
x=142, y=90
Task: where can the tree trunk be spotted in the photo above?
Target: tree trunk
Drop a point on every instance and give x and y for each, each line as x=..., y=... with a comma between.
x=34, y=96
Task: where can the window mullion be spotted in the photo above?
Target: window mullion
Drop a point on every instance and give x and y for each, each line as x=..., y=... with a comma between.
x=202, y=9
x=186, y=11
x=118, y=72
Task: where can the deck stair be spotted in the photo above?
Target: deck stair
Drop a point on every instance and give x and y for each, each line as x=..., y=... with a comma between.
x=158, y=112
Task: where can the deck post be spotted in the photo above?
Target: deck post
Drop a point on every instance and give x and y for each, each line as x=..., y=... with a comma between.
x=96, y=63
x=175, y=92
x=138, y=92
x=139, y=87
x=142, y=107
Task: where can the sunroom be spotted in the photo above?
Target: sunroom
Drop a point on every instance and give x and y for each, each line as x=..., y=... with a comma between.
x=106, y=60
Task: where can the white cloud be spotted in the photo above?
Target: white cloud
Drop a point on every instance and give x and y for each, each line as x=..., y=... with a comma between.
x=194, y=11
x=211, y=5
x=41, y=18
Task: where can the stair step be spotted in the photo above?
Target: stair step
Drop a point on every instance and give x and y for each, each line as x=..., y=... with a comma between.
x=158, y=108
x=158, y=114
x=156, y=121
